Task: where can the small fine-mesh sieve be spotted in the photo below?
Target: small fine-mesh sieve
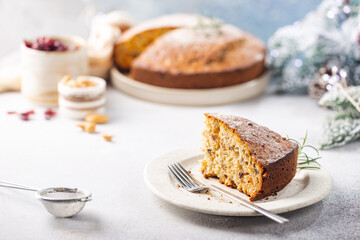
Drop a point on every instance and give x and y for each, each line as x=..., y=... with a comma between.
x=59, y=201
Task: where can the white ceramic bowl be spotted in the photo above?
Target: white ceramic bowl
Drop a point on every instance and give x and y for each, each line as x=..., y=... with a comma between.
x=42, y=70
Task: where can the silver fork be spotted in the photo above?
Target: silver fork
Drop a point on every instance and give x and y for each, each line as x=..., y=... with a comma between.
x=193, y=185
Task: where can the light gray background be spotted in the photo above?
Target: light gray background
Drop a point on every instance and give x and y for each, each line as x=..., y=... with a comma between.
x=23, y=18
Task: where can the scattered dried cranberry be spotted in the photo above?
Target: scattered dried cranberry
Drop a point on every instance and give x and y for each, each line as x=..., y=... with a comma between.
x=49, y=114
x=24, y=116
x=46, y=44
x=29, y=112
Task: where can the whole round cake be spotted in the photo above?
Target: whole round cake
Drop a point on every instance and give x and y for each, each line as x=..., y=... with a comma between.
x=197, y=55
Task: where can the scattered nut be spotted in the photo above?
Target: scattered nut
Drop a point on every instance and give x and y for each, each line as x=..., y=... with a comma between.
x=96, y=118
x=88, y=127
x=107, y=137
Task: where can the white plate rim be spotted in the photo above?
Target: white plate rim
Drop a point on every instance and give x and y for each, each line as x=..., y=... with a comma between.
x=318, y=188
x=189, y=97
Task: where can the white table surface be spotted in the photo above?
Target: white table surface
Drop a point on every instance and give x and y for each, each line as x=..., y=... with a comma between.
x=56, y=153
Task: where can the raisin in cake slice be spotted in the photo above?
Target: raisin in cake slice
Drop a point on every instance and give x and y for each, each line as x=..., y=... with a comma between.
x=247, y=156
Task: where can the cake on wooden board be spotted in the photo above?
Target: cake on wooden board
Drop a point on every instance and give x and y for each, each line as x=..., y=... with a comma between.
x=247, y=156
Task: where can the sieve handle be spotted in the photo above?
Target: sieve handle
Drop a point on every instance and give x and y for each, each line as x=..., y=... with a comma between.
x=86, y=199
x=17, y=186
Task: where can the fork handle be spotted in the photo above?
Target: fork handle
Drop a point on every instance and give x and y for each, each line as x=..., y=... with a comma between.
x=248, y=204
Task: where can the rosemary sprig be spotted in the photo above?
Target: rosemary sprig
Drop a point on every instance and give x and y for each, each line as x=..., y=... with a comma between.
x=304, y=160
x=213, y=23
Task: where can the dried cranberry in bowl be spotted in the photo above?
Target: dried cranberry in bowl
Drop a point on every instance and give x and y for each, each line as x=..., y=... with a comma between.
x=46, y=44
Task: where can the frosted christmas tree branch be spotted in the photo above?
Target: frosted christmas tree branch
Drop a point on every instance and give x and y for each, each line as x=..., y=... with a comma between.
x=348, y=97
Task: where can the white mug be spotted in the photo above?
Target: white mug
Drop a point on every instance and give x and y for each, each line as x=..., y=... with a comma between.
x=42, y=70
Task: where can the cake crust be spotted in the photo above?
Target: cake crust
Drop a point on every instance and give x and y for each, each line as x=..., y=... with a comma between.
x=276, y=156
x=197, y=80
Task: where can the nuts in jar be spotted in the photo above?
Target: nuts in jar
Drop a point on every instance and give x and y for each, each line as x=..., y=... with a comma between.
x=80, y=82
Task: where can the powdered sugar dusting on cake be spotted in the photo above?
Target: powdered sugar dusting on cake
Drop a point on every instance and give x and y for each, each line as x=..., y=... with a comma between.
x=193, y=50
x=197, y=36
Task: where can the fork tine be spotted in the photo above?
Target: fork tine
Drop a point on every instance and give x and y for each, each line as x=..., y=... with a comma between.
x=182, y=176
x=185, y=174
x=177, y=178
x=188, y=174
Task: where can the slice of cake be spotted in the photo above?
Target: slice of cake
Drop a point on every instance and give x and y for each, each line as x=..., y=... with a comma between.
x=247, y=156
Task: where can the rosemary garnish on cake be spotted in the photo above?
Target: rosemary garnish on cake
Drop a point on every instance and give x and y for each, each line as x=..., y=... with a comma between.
x=305, y=161
x=213, y=24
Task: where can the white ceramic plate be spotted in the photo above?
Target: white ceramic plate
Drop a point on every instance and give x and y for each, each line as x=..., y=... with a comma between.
x=192, y=97
x=306, y=188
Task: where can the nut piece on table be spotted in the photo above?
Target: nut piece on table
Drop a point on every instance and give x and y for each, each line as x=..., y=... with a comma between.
x=107, y=137
x=88, y=127
x=96, y=118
